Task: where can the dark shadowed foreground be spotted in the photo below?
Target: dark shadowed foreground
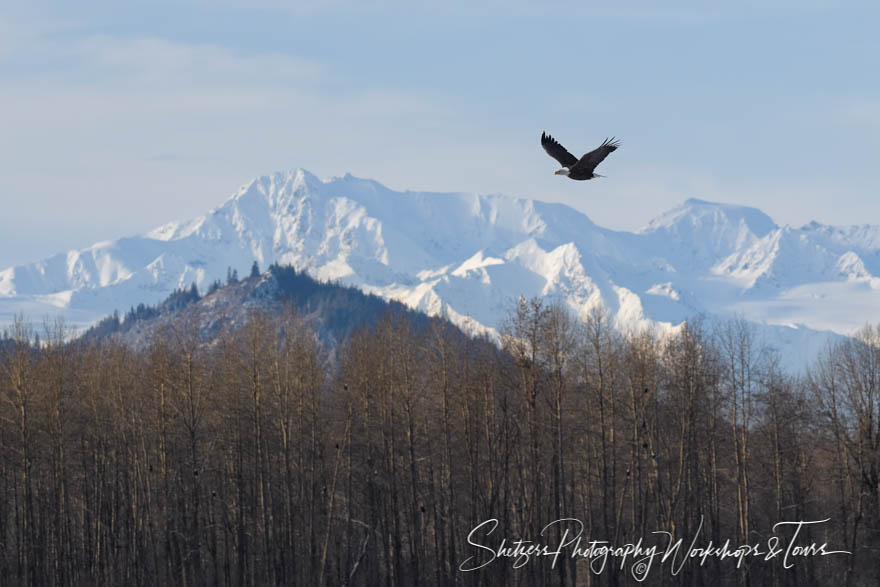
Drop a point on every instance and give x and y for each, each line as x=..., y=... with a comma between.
x=256, y=460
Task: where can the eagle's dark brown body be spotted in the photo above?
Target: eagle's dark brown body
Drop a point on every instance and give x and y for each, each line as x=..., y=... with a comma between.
x=582, y=168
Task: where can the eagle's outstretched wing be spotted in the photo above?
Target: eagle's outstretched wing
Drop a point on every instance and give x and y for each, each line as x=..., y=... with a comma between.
x=557, y=151
x=588, y=162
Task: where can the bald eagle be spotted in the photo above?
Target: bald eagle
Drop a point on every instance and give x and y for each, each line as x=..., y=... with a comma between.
x=578, y=168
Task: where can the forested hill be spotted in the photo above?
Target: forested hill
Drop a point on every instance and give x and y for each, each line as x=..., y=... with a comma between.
x=333, y=311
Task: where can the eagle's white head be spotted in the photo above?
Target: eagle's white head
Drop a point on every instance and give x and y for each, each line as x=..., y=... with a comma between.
x=563, y=171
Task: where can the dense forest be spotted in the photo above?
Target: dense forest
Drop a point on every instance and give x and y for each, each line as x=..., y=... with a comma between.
x=411, y=454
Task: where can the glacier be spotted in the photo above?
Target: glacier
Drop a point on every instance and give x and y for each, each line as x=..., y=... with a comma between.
x=470, y=257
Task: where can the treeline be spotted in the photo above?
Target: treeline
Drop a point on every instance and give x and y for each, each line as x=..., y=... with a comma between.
x=254, y=460
x=338, y=309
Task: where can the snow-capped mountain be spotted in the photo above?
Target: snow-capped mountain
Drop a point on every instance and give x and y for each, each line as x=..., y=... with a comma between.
x=469, y=257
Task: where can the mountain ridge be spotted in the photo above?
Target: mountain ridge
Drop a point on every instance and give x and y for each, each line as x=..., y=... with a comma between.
x=469, y=256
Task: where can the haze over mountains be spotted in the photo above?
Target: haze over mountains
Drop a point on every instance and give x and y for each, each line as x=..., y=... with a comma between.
x=470, y=257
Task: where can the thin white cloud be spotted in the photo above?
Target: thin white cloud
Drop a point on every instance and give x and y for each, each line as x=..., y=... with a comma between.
x=859, y=112
x=128, y=85
x=634, y=10
x=149, y=61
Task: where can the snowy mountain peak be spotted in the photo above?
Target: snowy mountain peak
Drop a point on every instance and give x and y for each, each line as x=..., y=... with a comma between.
x=712, y=230
x=694, y=217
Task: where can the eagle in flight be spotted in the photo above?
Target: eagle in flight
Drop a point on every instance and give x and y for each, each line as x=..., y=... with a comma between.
x=573, y=167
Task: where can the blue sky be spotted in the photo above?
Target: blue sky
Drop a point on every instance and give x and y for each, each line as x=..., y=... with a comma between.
x=118, y=116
